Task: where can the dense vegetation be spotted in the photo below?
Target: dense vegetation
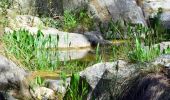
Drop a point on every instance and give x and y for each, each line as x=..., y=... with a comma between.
x=29, y=50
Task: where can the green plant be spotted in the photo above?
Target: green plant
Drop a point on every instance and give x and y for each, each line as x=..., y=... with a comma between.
x=142, y=54
x=30, y=51
x=50, y=22
x=4, y=5
x=98, y=56
x=77, y=90
x=27, y=48
x=167, y=50
x=70, y=21
x=39, y=81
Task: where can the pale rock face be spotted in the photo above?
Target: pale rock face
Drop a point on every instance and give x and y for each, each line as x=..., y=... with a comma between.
x=150, y=9
x=100, y=10
x=21, y=21
x=42, y=93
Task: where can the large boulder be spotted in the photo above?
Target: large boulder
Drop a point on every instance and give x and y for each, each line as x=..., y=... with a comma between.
x=106, y=78
x=147, y=87
x=117, y=10
x=19, y=21
x=13, y=77
x=99, y=10
x=151, y=7
x=118, y=80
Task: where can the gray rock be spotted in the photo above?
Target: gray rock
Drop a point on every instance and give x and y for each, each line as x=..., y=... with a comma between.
x=58, y=38
x=95, y=38
x=58, y=86
x=102, y=10
x=43, y=93
x=19, y=21
x=163, y=45
x=163, y=60
x=150, y=9
x=104, y=78
x=11, y=75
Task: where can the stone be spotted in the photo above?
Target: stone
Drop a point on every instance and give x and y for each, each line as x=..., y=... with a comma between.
x=151, y=7
x=153, y=86
x=163, y=45
x=99, y=10
x=11, y=75
x=103, y=77
x=58, y=38
x=43, y=93
x=95, y=37
x=20, y=21
x=163, y=60
x=58, y=86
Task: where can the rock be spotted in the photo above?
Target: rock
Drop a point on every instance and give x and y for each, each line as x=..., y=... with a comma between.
x=41, y=7
x=95, y=38
x=11, y=75
x=43, y=93
x=117, y=10
x=20, y=21
x=147, y=87
x=103, y=78
x=59, y=39
x=6, y=96
x=163, y=45
x=58, y=86
x=163, y=60
x=151, y=7
x=102, y=10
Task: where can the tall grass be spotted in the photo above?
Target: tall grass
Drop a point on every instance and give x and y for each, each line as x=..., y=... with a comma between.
x=143, y=54
x=31, y=52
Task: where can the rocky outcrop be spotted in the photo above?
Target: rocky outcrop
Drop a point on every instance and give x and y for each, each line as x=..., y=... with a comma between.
x=147, y=87
x=42, y=93
x=12, y=77
x=58, y=86
x=58, y=38
x=151, y=8
x=106, y=78
x=99, y=10
x=117, y=80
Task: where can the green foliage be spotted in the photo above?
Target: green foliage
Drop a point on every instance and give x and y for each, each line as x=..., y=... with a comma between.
x=77, y=90
x=30, y=51
x=70, y=21
x=26, y=48
x=39, y=81
x=50, y=22
x=143, y=54
x=113, y=30
x=167, y=50
x=84, y=19
x=4, y=5
x=98, y=56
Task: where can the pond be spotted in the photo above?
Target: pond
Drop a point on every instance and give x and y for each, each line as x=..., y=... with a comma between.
x=75, y=60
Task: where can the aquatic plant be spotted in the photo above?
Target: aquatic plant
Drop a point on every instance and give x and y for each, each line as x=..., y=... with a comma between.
x=142, y=54
x=77, y=90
